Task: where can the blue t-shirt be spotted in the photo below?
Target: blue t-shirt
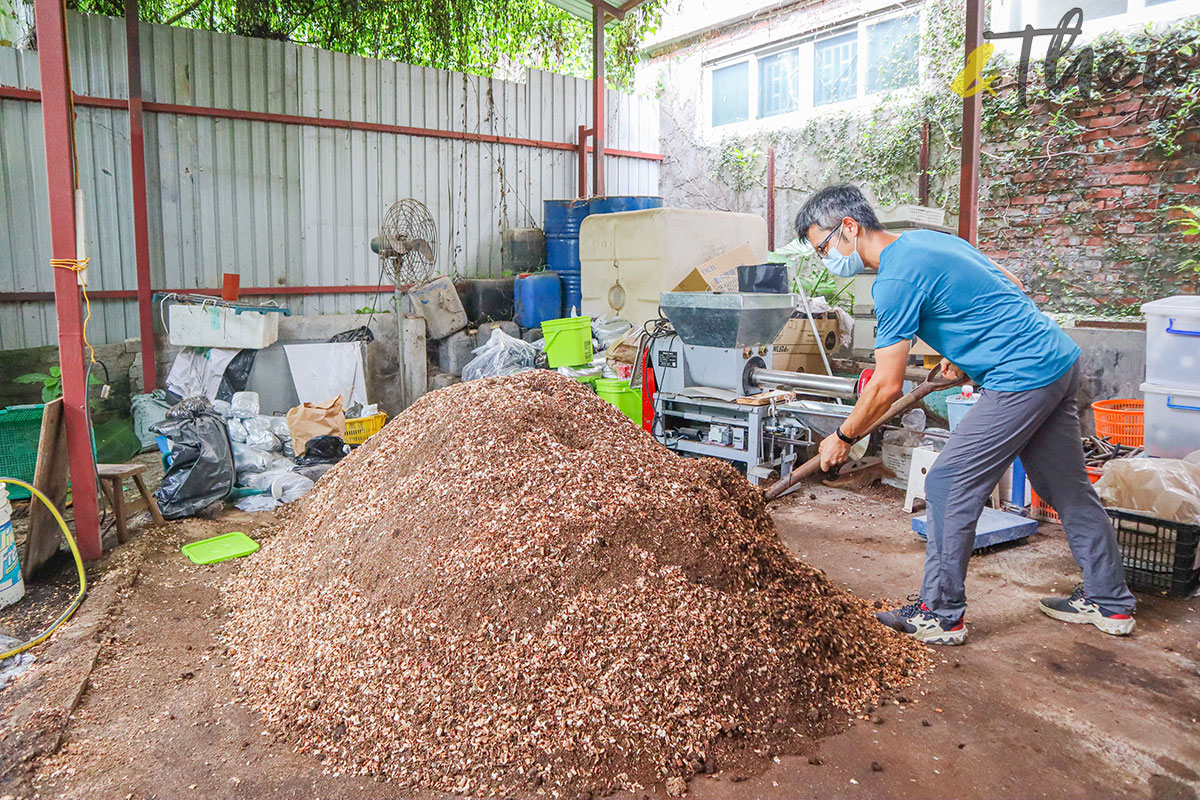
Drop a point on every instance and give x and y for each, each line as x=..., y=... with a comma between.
x=940, y=288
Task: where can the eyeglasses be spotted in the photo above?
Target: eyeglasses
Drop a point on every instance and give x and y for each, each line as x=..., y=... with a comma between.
x=822, y=249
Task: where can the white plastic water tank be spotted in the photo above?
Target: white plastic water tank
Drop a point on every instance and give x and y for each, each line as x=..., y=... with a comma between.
x=629, y=259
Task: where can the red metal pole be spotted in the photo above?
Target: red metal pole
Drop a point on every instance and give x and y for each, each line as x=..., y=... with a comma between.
x=58, y=124
x=923, y=178
x=770, y=198
x=141, y=218
x=968, y=187
x=597, y=99
x=583, y=134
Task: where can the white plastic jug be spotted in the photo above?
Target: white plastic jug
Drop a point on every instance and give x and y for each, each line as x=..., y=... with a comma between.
x=12, y=585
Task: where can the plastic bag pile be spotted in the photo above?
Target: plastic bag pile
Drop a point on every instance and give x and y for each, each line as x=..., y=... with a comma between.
x=1167, y=488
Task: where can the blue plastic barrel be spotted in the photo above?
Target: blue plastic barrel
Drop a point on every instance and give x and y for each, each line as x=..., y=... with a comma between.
x=537, y=297
x=624, y=202
x=561, y=226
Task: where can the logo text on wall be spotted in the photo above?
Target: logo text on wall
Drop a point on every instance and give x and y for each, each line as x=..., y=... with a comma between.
x=1113, y=72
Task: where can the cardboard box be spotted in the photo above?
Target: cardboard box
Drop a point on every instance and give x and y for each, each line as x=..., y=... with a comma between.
x=719, y=274
x=796, y=349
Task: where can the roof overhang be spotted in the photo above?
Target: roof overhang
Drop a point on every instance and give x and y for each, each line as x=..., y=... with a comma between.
x=584, y=9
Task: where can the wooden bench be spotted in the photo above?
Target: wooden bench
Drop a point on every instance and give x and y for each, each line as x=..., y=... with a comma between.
x=112, y=480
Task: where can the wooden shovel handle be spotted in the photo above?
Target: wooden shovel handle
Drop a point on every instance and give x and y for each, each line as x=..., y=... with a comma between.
x=932, y=383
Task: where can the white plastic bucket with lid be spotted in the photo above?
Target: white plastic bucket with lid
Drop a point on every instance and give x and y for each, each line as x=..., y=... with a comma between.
x=12, y=585
x=1173, y=341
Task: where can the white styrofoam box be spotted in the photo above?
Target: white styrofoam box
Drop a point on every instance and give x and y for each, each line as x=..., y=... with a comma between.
x=1172, y=420
x=1173, y=341
x=438, y=302
x=649, y=252
x=211, y=325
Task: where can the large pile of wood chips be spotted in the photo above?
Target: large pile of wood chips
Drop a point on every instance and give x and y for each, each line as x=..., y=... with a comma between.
x=512, y=588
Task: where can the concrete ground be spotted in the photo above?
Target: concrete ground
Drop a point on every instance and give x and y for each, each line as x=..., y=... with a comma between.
x=133, y=699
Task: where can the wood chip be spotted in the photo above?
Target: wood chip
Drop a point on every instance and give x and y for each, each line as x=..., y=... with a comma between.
x=513, y=588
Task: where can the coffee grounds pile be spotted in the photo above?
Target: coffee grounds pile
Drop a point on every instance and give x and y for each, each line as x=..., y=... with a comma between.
x=511, y=588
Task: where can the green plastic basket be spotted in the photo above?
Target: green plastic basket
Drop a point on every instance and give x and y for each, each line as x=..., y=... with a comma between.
x=20, y=429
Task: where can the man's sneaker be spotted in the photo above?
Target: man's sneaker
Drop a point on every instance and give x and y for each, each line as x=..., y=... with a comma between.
x=917, y=621
x=1077, y=608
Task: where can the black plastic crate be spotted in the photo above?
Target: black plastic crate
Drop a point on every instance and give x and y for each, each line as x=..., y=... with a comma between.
x=1158, y=556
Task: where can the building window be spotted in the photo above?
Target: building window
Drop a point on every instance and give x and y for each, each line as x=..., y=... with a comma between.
x=778, y=83
x=835, y=69
x=1099, y=16
x=1049, y=12
x=731, y=94
x=892, y=53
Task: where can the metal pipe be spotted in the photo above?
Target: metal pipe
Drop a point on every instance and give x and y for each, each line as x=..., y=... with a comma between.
x=770, y=198
x=137, y=174
x=598, y=137
x=968, y=185
x=820, y=385
x=58, y=123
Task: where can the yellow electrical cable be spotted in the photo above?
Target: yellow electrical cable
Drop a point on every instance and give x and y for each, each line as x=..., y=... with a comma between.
x=77, y=266
x=44, y=635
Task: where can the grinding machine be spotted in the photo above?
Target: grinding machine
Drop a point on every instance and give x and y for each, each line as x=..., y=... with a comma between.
x=711, y=379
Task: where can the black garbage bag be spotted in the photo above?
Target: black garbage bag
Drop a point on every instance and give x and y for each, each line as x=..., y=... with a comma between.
x=202, y=470
x=236, y=375
x=323, y=450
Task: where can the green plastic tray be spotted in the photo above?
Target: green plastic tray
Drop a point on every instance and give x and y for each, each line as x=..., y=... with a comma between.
x=220, y=548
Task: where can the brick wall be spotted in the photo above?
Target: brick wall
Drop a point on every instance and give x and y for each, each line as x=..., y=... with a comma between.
x=1089, y=228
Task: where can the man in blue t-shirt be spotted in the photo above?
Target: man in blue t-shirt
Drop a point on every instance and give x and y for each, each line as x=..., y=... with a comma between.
x=939, y=288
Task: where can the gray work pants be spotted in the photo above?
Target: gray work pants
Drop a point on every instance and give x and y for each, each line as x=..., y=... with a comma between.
x=1042, y=427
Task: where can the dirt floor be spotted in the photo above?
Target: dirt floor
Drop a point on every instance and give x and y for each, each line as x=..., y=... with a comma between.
x=133, y=699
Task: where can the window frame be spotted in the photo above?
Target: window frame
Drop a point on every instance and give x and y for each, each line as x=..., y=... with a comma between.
x=751, y=91
x=1138, y=12
x=804, y=46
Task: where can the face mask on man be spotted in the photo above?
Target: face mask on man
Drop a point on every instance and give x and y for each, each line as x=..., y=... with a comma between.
x=841, y=265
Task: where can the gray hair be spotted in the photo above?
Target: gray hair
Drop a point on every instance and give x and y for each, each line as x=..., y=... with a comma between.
x=829, y=206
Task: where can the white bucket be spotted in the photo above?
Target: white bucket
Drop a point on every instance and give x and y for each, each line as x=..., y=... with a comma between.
x=12, y=585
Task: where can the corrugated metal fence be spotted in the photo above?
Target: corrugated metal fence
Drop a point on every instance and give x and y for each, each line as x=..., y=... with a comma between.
x=285, y=204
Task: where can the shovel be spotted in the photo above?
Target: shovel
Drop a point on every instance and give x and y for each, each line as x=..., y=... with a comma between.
x=932, y=383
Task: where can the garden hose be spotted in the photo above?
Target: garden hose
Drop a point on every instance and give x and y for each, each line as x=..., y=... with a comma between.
x=66, y=615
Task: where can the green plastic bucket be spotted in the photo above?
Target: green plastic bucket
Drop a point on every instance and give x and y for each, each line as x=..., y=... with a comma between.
x=588, y=380
x=616, y=391
x=568, y=341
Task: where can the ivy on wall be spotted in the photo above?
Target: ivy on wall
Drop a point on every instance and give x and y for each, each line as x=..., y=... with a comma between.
x=487, y=37
x=1115, y=153
x=1090, y=256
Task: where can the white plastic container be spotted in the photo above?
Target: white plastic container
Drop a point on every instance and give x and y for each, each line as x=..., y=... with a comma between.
x=12, y=585
x=1172, y=420
x=204, y=325
x=438, y=302
x=957, y=405
x=1173, y=341
x=630, y=258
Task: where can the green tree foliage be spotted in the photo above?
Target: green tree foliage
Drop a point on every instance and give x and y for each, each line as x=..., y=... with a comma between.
x=485, y=37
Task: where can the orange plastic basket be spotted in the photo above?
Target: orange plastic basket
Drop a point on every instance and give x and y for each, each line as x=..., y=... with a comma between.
x=1040, y=509
x=1121, y=421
